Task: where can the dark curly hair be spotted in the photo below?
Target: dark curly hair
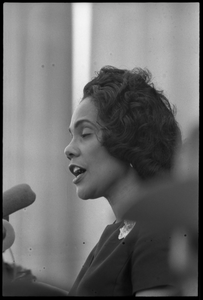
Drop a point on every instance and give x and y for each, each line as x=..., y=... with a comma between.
x=139, y=123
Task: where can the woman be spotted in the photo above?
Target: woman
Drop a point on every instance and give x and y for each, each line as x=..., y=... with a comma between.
x=123, y=134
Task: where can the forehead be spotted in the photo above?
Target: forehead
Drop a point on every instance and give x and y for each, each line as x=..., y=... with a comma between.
x=85, y=110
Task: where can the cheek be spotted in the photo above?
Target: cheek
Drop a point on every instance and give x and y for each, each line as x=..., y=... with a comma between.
x=104, y=173
x=100, y=179
x=103, y=169
x=102, y=164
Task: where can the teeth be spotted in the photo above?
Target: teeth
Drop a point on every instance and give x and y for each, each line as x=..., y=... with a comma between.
x=77, y=171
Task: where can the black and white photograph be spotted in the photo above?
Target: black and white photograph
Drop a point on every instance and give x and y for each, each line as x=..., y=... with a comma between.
x=100, y=140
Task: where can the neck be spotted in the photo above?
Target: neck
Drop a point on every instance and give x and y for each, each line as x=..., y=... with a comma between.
x=124, y=194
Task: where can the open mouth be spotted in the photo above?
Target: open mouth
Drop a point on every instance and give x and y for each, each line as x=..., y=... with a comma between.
x=77, y=171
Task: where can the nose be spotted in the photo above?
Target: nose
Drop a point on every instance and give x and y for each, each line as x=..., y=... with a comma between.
x=71, y=151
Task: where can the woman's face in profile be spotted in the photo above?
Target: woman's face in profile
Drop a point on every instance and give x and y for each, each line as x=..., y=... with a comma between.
x=96, y=172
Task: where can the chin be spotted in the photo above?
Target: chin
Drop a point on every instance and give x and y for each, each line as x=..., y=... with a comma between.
x=86, y=194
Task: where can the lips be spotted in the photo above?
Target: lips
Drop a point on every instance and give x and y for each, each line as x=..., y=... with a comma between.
x=78, y=172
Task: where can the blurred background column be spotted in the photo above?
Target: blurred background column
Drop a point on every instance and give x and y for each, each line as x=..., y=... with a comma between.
x=36, y=112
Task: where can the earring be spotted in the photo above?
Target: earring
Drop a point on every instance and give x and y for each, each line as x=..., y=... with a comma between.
x=131, y=165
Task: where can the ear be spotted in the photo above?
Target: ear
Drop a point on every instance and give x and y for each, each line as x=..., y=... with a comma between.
x=8, y=235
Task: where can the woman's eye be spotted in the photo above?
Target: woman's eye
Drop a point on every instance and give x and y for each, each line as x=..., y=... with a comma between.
x=85, y=134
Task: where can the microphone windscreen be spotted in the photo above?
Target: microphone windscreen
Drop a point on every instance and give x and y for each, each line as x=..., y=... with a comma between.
x=16, y=198
x=9, y=235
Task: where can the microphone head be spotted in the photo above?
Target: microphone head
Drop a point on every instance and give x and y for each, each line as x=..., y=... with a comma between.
x=8, y=235
x=16, y=198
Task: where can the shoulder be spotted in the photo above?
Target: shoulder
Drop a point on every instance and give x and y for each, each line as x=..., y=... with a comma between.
x=143, y=236
x=150, y=267
x=149, y=246
x=158, y=292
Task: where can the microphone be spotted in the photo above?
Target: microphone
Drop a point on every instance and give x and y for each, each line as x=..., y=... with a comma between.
x=16, y=198
x=8, y=235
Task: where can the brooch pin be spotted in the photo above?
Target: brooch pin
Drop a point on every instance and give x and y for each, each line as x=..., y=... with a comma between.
x=128, y=226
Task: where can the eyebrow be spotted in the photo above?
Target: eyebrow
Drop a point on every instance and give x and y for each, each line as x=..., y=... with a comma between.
x=79, y=122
